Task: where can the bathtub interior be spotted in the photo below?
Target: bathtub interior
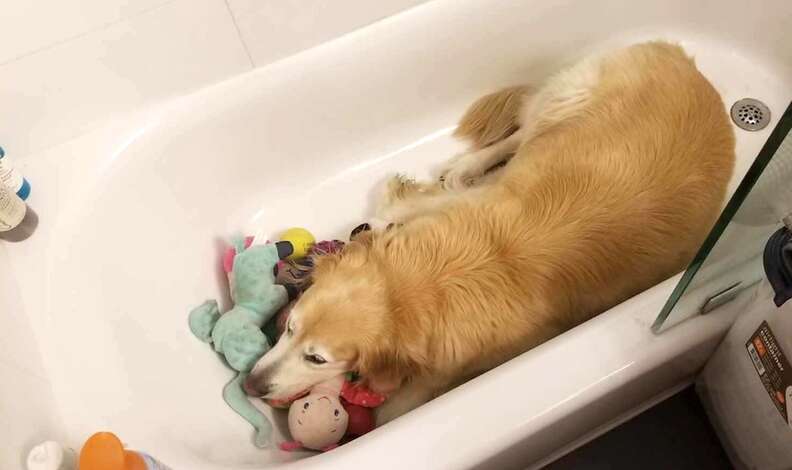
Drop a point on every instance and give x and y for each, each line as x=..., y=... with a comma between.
x=134, y=215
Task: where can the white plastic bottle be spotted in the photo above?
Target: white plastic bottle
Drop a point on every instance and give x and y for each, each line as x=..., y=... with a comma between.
x=12, y=209
x=12, y=178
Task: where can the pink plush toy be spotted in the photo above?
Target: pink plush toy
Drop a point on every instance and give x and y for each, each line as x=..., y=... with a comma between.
x=228, y=261
x=331, y=410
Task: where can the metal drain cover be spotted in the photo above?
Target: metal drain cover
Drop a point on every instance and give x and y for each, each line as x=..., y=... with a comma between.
x=750, y=114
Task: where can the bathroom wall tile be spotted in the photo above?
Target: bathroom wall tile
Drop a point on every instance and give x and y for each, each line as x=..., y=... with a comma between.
x=273, y=29
x=31, y=25
x=60, y=92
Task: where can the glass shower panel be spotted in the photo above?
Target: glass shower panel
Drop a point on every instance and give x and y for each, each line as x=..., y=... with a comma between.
x=730, y=259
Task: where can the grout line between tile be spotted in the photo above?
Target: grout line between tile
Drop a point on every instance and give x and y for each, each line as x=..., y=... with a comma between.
x=239, y=33
x=101, y=27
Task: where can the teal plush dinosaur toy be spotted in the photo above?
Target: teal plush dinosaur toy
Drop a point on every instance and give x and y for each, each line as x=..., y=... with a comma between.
x=237, y=334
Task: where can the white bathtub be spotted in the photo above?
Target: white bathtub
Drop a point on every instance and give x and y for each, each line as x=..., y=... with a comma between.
x=94, y=306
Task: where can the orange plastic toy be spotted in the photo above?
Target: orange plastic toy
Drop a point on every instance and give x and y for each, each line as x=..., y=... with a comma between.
x=104, y=451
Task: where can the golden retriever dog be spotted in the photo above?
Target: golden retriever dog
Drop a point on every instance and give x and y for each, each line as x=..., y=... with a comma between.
x=617, y=169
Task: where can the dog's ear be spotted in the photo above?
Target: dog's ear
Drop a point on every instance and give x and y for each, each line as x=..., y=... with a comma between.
x=383, y=368
x=386, y=364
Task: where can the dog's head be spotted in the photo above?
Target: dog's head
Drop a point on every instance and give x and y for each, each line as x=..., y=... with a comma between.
x=342, y=323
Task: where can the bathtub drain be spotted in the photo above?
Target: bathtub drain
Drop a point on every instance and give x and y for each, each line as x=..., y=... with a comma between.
x=750, y=114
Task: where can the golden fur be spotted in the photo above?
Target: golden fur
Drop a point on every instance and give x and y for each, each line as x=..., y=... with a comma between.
x=492, y=117
x=619, y=168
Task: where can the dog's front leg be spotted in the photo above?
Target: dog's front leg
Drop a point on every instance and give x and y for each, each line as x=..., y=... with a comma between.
x=410, y=396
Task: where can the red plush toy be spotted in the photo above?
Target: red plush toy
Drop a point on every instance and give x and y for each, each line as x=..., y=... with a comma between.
x=358, y=402
x=361, y=420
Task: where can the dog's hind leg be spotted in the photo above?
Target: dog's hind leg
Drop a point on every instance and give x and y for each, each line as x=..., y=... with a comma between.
x=491, y=126
x=464, y=171
x=492, y=117
x=497, y=124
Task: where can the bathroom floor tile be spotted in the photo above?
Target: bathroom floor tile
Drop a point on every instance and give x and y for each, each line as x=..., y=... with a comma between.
x=675, y=434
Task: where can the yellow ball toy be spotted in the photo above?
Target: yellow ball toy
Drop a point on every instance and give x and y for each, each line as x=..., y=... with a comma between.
x=302, y=240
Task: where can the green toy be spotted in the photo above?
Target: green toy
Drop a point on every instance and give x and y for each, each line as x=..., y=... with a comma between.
x=237, y=334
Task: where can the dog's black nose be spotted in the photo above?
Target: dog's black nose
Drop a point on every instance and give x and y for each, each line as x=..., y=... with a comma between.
x=254, y=387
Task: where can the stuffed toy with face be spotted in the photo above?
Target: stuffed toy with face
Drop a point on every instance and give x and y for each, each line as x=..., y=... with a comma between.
x=318, y=420
x=332, y=410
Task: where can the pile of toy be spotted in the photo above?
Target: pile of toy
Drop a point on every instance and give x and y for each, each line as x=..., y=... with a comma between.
x=265, y=280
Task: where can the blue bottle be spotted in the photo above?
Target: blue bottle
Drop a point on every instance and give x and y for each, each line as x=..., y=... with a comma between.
x=12, y=179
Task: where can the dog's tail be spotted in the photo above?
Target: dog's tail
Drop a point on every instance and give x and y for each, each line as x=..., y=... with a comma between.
x=492, y=117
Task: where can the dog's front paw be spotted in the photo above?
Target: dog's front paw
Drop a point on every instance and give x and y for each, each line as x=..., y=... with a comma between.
x=398, y=199
x=396, y=188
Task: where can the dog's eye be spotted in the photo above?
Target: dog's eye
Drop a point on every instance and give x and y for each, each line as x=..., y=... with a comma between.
x=315, y=359
x=289, y=330
x=336, y=412
x=305, y=406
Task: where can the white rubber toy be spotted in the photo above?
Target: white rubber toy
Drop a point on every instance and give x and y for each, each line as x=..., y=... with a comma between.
x=50, y=455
